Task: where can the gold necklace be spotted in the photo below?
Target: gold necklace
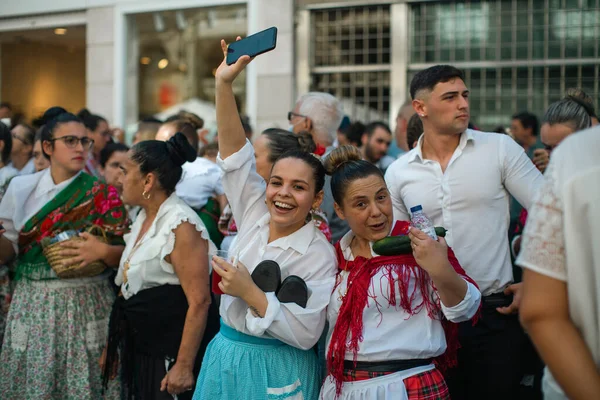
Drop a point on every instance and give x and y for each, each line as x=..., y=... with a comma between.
x=127, y=263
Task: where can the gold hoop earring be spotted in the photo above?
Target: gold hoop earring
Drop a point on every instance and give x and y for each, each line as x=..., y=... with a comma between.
x=145, y=195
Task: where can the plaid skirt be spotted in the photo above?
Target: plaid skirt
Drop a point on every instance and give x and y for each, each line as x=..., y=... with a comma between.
x=421, y=383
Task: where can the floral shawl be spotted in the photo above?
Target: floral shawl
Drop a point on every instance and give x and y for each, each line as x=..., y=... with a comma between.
x=83, y=203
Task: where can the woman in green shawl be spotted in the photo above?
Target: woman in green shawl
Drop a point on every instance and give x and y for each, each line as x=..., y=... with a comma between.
x=56, y=328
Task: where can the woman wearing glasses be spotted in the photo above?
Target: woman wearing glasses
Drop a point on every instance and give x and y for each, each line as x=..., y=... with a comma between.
x=56, y=328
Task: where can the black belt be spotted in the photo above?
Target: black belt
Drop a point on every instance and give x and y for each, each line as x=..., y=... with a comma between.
x=496, y=300
x=386, y=366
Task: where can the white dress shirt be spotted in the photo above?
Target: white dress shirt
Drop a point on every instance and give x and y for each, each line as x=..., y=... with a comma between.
x=147, y=265
x=305, y=253
x=559, y=240
x=415, y=336
x=9, y=171
x=470, y=199
x=199, y=181
x=25, y=196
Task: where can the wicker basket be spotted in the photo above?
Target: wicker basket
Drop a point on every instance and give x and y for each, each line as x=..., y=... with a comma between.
x=65, y=270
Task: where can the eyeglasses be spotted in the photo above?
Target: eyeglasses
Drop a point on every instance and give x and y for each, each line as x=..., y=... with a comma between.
x=72, y=141
x=292, y=114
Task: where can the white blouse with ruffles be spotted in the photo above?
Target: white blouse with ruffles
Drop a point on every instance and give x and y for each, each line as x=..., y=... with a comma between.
x=147, y=266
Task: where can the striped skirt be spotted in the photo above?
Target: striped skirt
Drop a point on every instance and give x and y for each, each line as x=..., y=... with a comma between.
x=238, y=366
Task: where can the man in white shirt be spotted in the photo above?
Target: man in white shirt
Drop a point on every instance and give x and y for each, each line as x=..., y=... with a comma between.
x=561, y=257
x=463, y=179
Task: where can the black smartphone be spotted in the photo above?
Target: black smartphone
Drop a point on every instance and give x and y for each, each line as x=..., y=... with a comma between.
x=252, y=45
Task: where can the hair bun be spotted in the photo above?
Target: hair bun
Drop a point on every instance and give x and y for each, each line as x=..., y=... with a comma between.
x=52, y=113
x=340, y=156
x=84, y=113
x=583, y=99
x=180, y=150
x=306, y=142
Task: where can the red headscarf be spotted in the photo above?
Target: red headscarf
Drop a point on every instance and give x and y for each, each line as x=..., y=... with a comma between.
x=348, y=330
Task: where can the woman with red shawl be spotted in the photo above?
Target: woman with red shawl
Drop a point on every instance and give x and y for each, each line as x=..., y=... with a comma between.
x=390, y=317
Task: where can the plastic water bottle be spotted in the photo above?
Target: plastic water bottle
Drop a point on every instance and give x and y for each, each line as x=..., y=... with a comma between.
x=420, y=221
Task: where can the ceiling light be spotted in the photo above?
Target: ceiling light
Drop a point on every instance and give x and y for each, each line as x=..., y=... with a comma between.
x=145, y=60
x=162, y=64
x=60, y=31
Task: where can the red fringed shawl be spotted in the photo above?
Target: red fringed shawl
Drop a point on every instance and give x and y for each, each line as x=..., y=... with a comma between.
x=348, y=330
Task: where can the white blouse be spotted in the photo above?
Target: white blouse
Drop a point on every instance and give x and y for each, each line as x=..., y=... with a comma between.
x=200, y=180
x=147, y=265
x=414, y=336
x=470, y=199
x=305, y=253
x=25, y=196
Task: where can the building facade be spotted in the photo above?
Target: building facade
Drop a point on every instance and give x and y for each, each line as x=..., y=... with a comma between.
x=141, y=57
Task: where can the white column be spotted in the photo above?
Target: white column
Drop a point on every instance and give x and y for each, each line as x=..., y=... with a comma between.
x=270, y=78
x=400, y=37
x=99, y=61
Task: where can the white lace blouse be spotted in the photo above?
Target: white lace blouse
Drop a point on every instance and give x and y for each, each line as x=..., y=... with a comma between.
x=147, y=265
x=559, y=240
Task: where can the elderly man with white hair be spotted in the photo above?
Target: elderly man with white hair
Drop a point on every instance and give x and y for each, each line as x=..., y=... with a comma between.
x=319, y=114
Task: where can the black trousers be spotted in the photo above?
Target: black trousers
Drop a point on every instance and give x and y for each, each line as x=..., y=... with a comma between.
x=494, y=356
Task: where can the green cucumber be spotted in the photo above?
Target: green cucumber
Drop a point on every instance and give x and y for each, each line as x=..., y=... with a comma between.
x=394, y=245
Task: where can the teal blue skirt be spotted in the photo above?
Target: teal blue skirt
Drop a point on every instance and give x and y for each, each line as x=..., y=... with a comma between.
x=237, y=366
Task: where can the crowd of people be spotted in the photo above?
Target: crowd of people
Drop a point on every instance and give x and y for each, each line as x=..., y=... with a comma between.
x=246, y=268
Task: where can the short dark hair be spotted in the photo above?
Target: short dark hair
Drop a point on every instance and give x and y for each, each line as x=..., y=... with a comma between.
x=108, y=150
x=428, y=78
x=164, y=159
x=355, y=132
x=91, y=121
x=414, y=129
x=370, y=128
x=5, y=104
x=6, y=137
x=528, y=120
